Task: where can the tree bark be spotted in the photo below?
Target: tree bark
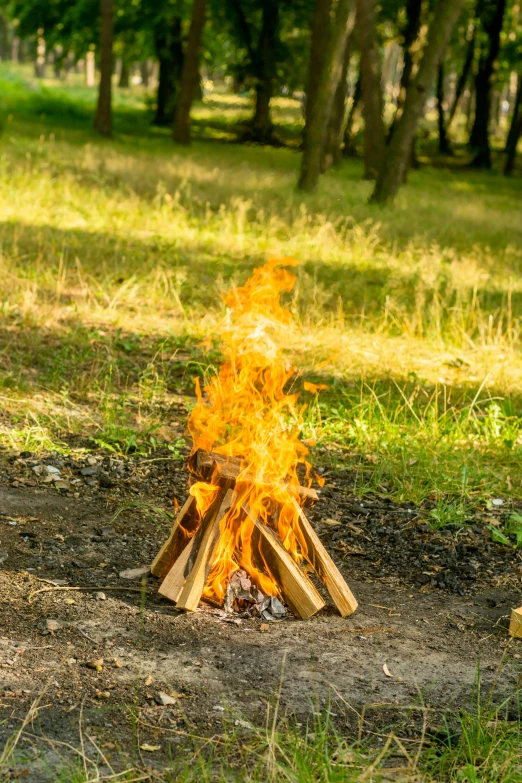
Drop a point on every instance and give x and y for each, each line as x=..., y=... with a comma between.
x=515, y=130
x=169, y=50
x=334, y=130
x=322, y=105
x=464, y=74
x=145, y=72
x=391, y=173
x=374, y=136
x=348, y=142
x=103, y=118
x=444, y=146
x=492, y=16
x=265, y=66
x=124, y=80
x=4, y=38
x=318, y=45
x=189, y=74
x=39, y=63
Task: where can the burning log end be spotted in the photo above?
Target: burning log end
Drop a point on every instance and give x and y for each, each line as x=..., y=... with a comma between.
x=218, y=468
x=298, y=591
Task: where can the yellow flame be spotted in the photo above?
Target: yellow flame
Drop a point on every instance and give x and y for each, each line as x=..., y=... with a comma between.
x=248, y=411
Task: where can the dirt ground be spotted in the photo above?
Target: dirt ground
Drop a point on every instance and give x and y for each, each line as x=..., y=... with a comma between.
x=432, y=605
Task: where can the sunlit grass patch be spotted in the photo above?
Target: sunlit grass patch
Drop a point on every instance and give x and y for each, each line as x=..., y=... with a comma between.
x=113, y=257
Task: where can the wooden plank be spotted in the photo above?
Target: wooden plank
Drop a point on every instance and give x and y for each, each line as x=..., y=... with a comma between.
x=323, y=565
x=299, y=592
x=203, y=549
x=207, y=465
x=172, y=585
x=178, y=539
x=515, y=626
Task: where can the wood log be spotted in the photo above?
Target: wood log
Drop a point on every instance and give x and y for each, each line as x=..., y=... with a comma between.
x=515, y=626
x=298, y=591
x=203, y=550
x=209, y=465
x=323, y=565
x=172, y=585
x=185, y=526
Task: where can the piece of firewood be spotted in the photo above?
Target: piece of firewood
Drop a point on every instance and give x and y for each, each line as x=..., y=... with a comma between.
x=172, y=585
x=515, y=626
x=298, y=591
x=209, y=465
x=205, y=543
x=323, y=565
x=186, y=524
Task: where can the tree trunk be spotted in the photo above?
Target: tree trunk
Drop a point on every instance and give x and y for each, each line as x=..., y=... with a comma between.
x=334, y=130
x=90, y=68
x=464, y=74
x=318, y=45
x=124, y=80
x=169, y=49
x=190, y=74
x=410, y=34
x=515, y=130
x=39, y=63
x=265, y=67
x=348, y=142
x=145, y=72
x=15, y=50
x=4, y=38
x=396, y=159
x=103, y=118
x=492, y=16
x=374, y=136
x=444, y=146
x=322, y=105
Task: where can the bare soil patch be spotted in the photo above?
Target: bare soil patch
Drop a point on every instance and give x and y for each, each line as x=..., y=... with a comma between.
x=431, y=605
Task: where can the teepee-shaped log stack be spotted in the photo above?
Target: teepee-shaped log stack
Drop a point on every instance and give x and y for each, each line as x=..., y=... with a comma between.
x=184, y=562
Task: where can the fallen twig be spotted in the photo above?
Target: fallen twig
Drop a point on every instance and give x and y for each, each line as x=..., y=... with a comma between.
x=54, y=588
x=366, y=630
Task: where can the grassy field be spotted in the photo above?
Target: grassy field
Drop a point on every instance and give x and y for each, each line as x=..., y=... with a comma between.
x=114, y=255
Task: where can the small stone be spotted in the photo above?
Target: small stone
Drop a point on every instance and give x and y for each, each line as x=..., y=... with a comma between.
x=164, y=699
x=148, y=681
x=91, y=471
x=118, y=664
x=264, y=627
x=101, y=597
x=91, y=460
x=95, y=663
x=3, y=556
x=106, y=482
x=107, y=531
x=52, y=625
x=69, y=601
x=135, y=573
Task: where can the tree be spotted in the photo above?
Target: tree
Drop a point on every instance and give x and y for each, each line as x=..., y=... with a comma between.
x=466, y=70
x=374, y=137
x=320, y=33
x=334, y=130
x=492, y=17
x=444, y=145
x=103, y=118
x=189, y=74
x=392, y=170
x=342, y=21
x=515, y=130
x=168, y=43
x=348, y=141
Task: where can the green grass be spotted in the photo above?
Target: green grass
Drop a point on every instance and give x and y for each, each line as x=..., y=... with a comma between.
x=336, y=744
x=114, y=255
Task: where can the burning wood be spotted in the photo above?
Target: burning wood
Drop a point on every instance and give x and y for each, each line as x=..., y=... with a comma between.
x=242, y=537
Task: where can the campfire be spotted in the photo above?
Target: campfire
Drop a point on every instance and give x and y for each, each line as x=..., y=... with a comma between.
x=242, y=539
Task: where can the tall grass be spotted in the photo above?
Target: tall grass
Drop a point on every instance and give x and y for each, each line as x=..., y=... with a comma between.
x=114, y=254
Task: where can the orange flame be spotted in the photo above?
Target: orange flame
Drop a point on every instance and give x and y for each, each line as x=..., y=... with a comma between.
x=246, y=411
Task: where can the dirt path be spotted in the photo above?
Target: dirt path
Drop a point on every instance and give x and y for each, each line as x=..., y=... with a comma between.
x=430, y=632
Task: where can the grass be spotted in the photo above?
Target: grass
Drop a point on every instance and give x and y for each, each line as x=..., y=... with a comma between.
x=114, y=254
x=336, y=744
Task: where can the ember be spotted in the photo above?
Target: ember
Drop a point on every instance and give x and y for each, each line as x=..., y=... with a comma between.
x=242, y=537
